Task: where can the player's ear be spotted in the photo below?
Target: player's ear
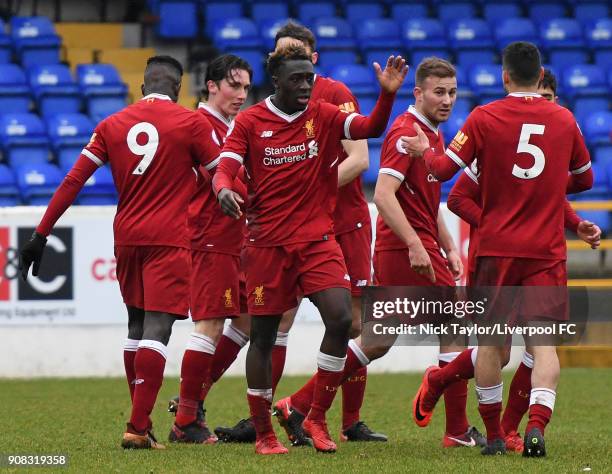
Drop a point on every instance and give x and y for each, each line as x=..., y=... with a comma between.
x=541, y=75
x=505, y=77
x=142, y=89
x=314, y=58
x=418, y=92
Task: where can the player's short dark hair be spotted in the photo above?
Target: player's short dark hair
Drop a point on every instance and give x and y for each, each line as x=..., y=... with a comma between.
x=221, y=68
x=291, y=53
x=299, y=32
x=549, y=81
x=523, y=63
x=434, y=67
x=167, y=61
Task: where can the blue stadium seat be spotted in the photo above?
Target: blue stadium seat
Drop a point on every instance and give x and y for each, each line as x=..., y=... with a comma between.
x=453, y=124
x=236, y=33
x=423, y=33
x=5, y=45
x=9, y=193
x=585, y=11
x=268, y=30
x=378, y=33
x=359, y=79
x=598, y=34
x=472, y=42
x=23, y=139
x=470, y=58
x=486, y=82
x=69, y=133
x=177, y=19
x=603, y=154
x=99, y=190
x=257, y=61
x=265, y=11
x=14, y=90
x=366, y=105
x=584, y=80
x=371, y=174
x=495, y=12
x=451, y=11
x=102, y=89
x=357, y=12
x=463, y=105
x=307, y=12
x=561, y=34
x=54, y=89
x=562, y=58
x=603, y=58
x=598, y=128
x=401, y=12
x=418, y=55
x=333, y=33
x=215, y=12
x=330, y=59
x=515, y=29
x=35, y=40
x=539, y=12
x=599, y=190
x=38, y=182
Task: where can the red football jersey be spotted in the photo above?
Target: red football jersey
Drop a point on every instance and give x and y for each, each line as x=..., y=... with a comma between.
x=525, y=146
x=351, y=207
x=419, y=193
x=152, y=147
x=211, y=229
x=291, y=169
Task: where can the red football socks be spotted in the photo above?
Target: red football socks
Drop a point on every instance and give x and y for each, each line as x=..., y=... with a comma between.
x=461, y=367
x=149, y=364
x=518, y=399
x=129, y=354
x=260, y=403
x=539, y=416
x=353, y=391
x=490, y=414
x=225, y=354
x=279, y=354
x=455, y=400
x=194, y=371
x=325, y=389
x=302, y=399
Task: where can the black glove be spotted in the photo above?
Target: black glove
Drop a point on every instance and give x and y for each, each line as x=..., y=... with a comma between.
x=32, y=252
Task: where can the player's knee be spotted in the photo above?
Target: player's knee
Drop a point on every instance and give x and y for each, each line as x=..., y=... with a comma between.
x=376, y=352
x=355, y=330
x=505, y=358
x=158, y=327
x=135, y=323
x=339, y=322
x=263, y=334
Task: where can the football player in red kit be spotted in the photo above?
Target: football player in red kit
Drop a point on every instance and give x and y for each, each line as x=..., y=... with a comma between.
x=216, y=243
x=525, y=145
x=151, y=146
x=285, y=144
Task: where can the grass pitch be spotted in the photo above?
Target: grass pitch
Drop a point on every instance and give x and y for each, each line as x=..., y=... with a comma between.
x=84, y=418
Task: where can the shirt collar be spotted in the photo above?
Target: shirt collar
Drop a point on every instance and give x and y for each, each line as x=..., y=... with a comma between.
x=412, y=109
x=215, y=113
x=156, y=96
x=524, y=94
x=275, y=110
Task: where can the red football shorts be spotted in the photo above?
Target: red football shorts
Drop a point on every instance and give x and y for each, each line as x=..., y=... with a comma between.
x=356, y=247
x=392, y=268
x=155, y=278
x=217, y=289
x=531, y=304
x=275, y=276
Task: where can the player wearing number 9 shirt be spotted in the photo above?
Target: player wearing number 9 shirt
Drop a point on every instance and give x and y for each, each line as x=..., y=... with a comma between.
x=526, y=146
x=152, y=147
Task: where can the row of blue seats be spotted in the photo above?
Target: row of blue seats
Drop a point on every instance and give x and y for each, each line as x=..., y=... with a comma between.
x=54, y=90
x=35, y=184
x=32, y=41
x=461, y=34
x=26, y=139
x=180, y=18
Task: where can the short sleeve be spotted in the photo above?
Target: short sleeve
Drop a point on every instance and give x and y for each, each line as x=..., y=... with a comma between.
x=339, y=120
x=580, y=160
x=96, y=149
x=463, y=147
x=236, y=143
x=394, y=160
x=204, y=149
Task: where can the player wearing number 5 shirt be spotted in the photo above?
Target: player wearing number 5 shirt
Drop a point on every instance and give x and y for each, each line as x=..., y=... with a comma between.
x=526, y=146
x=152, y=147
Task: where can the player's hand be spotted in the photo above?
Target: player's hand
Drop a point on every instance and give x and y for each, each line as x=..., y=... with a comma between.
x=455, y=265
x=590, y=233
x=420, y=262
x=417, y=145
x=230, y=202
x=32, y=253
x=392, y=78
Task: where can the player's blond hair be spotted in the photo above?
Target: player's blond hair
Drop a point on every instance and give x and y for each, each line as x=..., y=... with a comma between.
x=433, y=67
x=291, y=53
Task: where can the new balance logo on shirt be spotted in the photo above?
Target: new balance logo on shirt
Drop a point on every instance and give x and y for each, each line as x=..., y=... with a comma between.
x=266, y=134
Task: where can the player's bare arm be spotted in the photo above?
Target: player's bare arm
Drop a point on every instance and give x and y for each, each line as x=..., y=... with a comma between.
x=450, y=249
x=356, y=162
x=389, y=208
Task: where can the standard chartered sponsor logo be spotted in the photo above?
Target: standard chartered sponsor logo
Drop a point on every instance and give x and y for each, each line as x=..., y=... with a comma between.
x=274, y=156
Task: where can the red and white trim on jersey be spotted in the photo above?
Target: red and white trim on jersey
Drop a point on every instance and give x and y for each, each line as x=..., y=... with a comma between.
x=392, y=172
x=424, y=120
x=472, y=171
x=453, y=156
x=347, y=125
x=276, y=111
x=524, y=94
x=92, y=157
x=156, y=96
x=230, y=154
x=215, y=113
x=213, y=163
x=582, y=169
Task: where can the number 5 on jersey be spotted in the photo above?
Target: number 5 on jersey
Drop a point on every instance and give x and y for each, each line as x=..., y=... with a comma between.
x=525, y=147
x=148, y=149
